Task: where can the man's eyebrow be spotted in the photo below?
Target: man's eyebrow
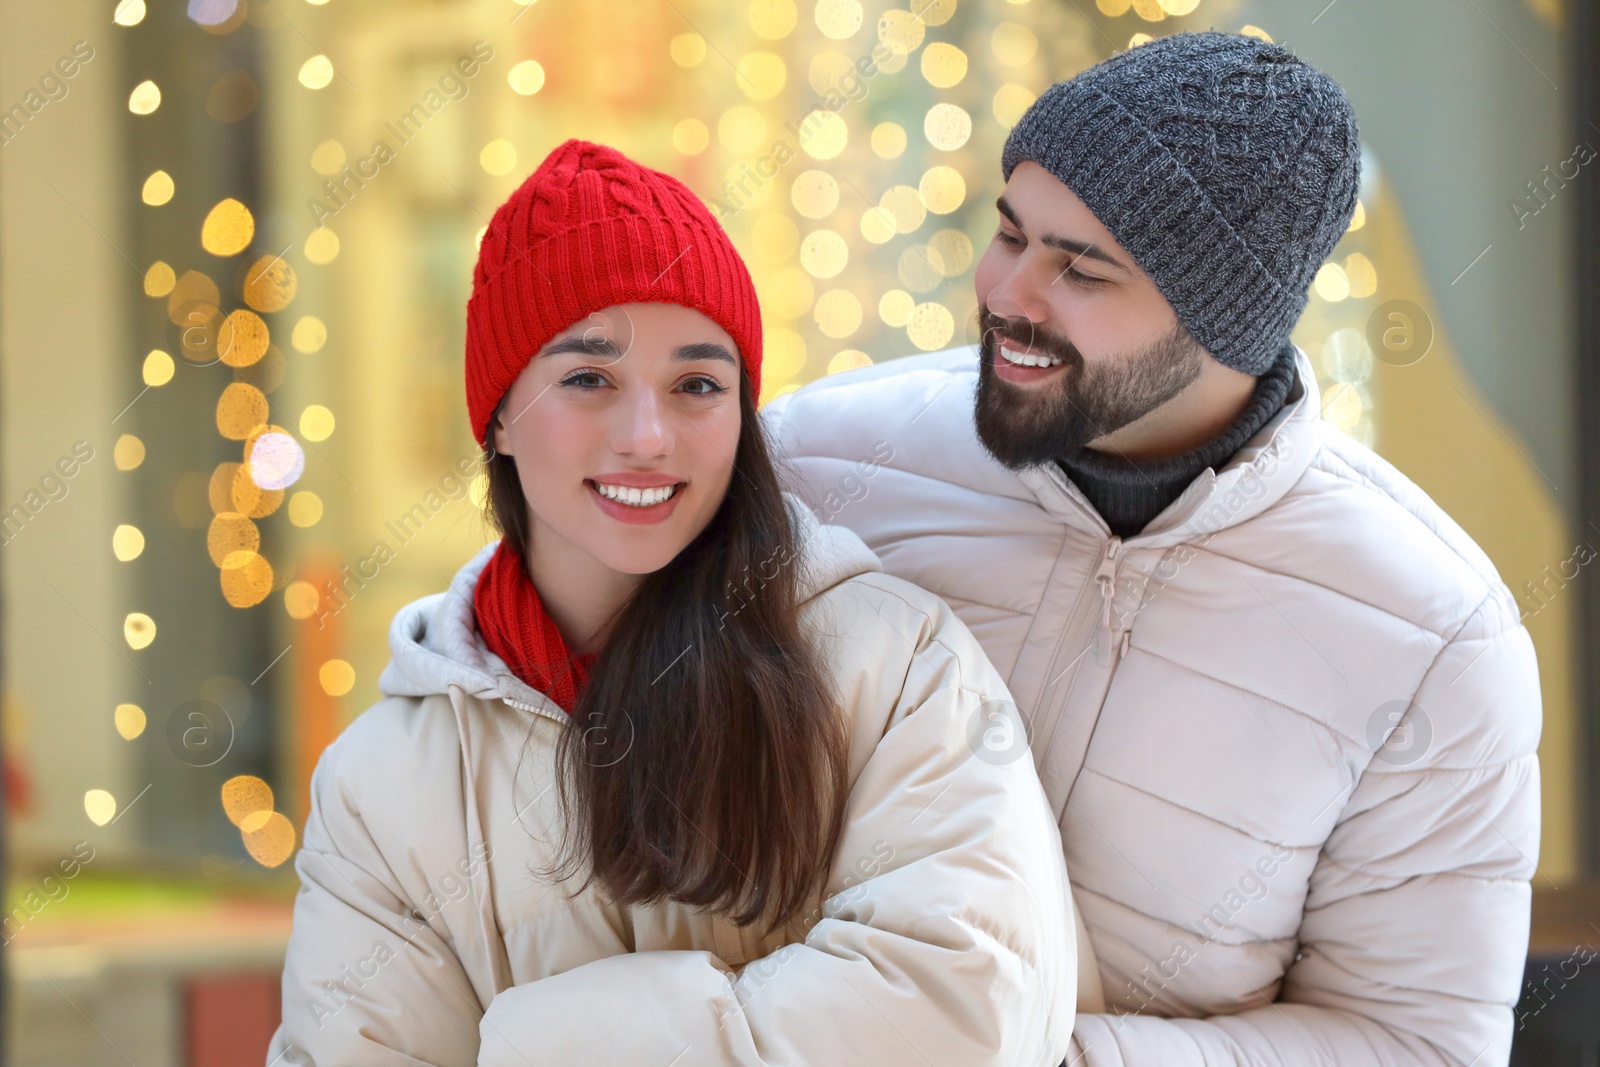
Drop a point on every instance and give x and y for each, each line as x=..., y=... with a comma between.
x=604, y=346
x=1065, y=244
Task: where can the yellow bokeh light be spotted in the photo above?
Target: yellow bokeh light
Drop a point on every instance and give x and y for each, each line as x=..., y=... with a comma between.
x=301, y=599
x=309, y=335
x=1011, y=101
x=814, y=194
x=943, y=65
x=687, y=49
x=838, y=19
x=246, y=579
x=785, y=293
x=138, y=629
x=1113, y=8
x=1179, y=7
x=158, y=189
x=823, y=253
x=526, y=78
x=848, y=359
x=242, y=339
x=228, y=533
x=145, y=98
x=129, y=720
x=322, y=246
x=691, y=137
x=772, y=19
x=742, y=130
x=828, y=70
x=761, y=75
x=1331, y=284
x=1013, y=43
x=1361, y=274
x=127, y=542
x=336, y=677
x=129, y=13
x=159, y=279
x=894, y=307
x=776, y=238
x=942, y=189
x=100, y=806
x=1138, y=39
x=920, y=268
x=305, y=508
x=1149, y=10
x=498, y=157
x=783, y=356
x=270, y=284
x=1342, y=407
x=905, y=206
x=327, y=157
x=1358, y=219
x=316, y=72
x=947, y=127
x=888, y=139
x=931, y=326
x=158, y=368
x=838, y=313
x=954, y=250
x=128, y=452
x=228, y=228
x=316, y=423
x=901, y=30
x=877, y=225
x=241, y=408
x=268, y=837
x=245, y=794
x=825, y=135
x=1256, y=31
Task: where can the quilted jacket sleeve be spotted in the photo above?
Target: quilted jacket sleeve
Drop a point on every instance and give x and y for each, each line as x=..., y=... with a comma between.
x=365, y=980
x=945, y=938
x=1416, y=921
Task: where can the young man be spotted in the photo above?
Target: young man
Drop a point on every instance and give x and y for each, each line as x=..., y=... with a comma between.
x=1283, y=706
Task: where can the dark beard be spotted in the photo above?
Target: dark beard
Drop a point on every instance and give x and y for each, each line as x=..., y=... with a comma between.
x=1023, y=427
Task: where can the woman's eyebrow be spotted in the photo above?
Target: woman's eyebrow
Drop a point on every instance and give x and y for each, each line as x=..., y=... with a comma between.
x=703, y=350
x=583, y=345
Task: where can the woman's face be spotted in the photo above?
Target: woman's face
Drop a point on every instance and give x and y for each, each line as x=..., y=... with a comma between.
x=638, y=402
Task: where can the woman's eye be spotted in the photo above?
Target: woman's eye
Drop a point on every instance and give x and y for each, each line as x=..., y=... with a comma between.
x=577, y=376
x=711, y=384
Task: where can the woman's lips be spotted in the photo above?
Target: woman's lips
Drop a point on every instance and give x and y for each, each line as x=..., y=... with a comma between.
x=632, y=514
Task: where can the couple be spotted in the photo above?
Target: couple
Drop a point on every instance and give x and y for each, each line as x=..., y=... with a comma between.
x=676, y=774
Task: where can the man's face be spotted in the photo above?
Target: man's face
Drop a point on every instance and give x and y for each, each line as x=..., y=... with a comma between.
x=1055, y=287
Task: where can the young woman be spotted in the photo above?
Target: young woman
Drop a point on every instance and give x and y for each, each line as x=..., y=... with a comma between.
x=672, y=773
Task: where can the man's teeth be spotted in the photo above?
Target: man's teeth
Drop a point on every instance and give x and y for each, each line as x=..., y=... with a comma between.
x=1027, y=359
x=639, y=498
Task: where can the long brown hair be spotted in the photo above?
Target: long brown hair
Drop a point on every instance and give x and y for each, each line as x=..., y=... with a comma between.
x=731, y=793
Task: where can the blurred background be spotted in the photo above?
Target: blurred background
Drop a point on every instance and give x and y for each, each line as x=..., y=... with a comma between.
x=236, y=243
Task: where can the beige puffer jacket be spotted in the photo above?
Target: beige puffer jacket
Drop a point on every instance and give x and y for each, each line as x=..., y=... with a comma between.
x=1264, y=879
x=421, y=936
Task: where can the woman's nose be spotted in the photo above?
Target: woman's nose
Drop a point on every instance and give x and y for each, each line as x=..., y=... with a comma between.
x=642, y=427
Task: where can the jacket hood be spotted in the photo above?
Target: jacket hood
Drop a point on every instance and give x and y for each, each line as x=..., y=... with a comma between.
x=435, y=644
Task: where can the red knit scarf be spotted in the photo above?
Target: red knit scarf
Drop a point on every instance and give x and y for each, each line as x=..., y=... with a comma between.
x=514, y=625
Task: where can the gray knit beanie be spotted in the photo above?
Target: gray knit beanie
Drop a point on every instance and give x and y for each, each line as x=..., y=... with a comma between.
x=1225, y=165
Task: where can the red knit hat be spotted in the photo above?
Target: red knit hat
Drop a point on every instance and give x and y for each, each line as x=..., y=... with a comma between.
x=591, y=228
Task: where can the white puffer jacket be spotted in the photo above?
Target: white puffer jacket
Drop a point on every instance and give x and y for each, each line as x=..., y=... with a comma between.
x=421, y=936
x=1264, y=879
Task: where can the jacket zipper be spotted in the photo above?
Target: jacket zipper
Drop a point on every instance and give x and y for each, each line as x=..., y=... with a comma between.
x=1106, y=575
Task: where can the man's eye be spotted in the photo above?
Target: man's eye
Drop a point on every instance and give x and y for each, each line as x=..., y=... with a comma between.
x=1007, y=239
x=1083, y=279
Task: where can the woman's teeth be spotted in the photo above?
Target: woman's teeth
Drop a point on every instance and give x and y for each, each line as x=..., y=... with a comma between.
x=639, y=498
x=1027, y=359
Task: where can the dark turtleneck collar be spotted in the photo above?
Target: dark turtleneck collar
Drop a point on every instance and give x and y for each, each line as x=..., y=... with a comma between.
x=1129, y=494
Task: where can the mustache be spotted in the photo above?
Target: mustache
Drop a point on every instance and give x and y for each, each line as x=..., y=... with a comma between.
x=997, y=328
